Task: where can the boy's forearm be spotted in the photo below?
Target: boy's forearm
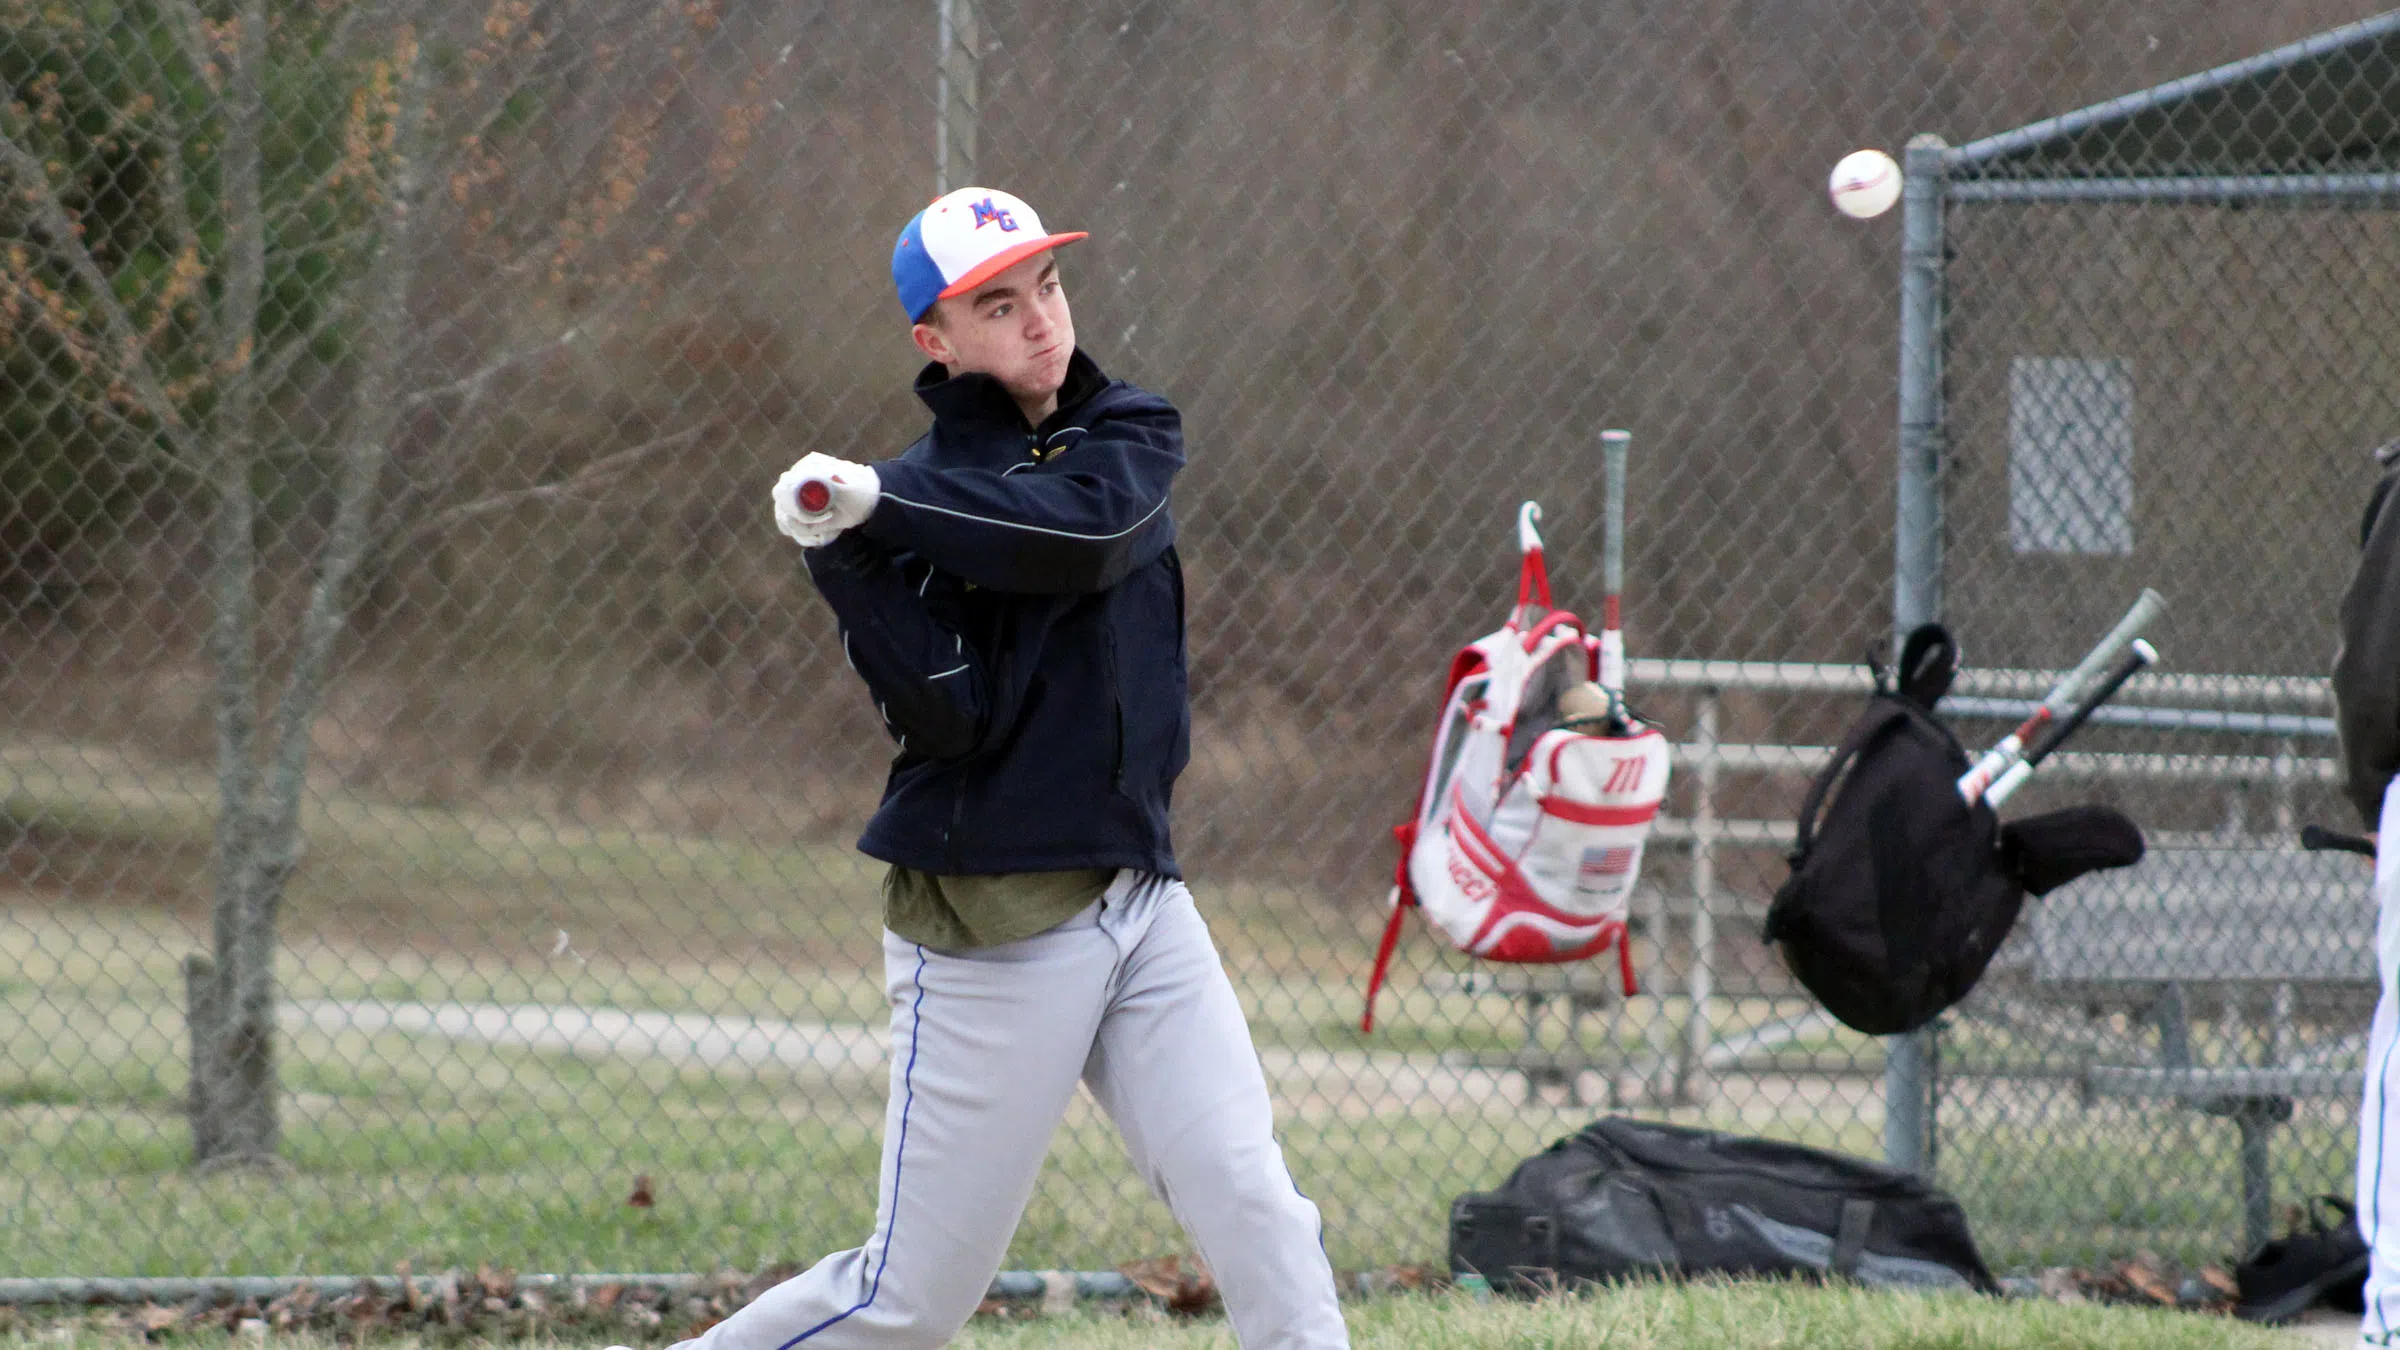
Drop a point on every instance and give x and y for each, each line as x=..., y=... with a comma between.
x=1071, y=529
x=989, y=538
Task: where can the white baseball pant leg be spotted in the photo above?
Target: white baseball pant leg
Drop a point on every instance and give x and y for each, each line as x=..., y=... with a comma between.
x=987, y=1047
x=2378, y=1130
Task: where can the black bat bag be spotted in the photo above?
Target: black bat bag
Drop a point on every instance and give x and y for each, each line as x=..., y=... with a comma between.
x=1900, y=892
x=1631, y=1199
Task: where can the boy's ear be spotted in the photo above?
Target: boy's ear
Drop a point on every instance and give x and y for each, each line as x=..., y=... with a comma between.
x=931, y=341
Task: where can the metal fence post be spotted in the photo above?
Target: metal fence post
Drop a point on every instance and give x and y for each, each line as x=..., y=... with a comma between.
x=1691, y=1058
x=1917, y=552
x=960, y=36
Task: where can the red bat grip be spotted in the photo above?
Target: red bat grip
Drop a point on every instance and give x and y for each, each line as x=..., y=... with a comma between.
x=815, y=496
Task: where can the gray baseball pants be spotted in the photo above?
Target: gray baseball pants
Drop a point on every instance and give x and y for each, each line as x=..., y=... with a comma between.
x=1129, y=998
x=2378, y=1130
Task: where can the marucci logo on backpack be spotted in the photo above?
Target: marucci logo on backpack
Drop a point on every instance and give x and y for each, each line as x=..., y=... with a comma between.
x=1904, y=882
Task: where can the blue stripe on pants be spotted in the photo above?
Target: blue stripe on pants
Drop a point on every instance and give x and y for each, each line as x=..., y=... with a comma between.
x=908, y=1080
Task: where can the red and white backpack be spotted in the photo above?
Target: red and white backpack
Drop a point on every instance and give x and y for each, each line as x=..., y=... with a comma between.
x=1528, y=834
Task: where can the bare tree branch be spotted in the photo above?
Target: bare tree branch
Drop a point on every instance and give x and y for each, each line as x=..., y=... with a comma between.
x=44, y=309
x=134, y=432
x=174, y=189
x=474, y=383
x=338, y=40
x=373, y=421
x=297, y=205
x=277, y=366
x=593, y=475
x=60, y=240
x=499, y=91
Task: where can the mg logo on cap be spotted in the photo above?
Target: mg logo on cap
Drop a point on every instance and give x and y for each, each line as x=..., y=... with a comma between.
x=944, y=250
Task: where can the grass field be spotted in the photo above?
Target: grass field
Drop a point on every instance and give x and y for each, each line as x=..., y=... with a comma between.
x=450, y=1153
x=443, y=1152
x=1698, y=1317
x=1640, y=1317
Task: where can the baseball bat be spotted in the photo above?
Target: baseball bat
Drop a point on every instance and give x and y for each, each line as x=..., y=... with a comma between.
x=2318, y=839
x=1613, y=448
x=2136, y=657
x=2062, y=696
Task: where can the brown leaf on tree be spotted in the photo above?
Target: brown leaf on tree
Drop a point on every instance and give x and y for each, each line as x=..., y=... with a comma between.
x=1188, y=1290
x=641, y=1197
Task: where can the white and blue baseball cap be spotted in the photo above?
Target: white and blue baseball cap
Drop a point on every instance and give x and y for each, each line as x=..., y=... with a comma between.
x=963, y=240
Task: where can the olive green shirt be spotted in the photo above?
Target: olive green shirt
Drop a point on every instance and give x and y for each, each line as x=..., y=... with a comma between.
x=962, y=912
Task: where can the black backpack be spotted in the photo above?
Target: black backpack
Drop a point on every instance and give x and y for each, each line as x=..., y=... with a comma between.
x=1625, y=1198
x=1900, y=892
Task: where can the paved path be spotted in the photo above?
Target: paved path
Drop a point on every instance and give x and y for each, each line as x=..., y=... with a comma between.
x=828, y=1047
x=1310, y=1083
x=705, y=1038
x=689, y=1038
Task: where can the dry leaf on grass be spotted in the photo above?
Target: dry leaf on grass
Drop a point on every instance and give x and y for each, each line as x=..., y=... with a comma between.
x=498, y=1282
x=2147, y=1276
x=1402, y=1277
x=1186, y=1289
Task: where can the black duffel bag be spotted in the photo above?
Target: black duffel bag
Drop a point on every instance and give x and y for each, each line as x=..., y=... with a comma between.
x=1628, y=1198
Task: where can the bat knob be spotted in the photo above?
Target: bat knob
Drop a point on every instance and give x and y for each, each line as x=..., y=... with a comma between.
x=815, y=496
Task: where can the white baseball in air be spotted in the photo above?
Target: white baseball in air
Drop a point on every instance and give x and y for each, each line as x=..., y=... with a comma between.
x=1865, y=183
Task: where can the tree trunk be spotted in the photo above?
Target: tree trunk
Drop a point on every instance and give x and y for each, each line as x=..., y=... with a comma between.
x=233, y=1023
x=204, y=1016
x=233, y=1000
x=233, y=1061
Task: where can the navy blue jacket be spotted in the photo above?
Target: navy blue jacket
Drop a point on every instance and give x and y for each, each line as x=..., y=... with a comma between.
x=1015, y=607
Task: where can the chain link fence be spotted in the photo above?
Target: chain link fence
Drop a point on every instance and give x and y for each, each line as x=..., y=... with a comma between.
x=427, y=784
x=2162, y=366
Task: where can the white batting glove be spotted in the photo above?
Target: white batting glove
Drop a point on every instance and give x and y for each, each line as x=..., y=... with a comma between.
x=851, y=491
